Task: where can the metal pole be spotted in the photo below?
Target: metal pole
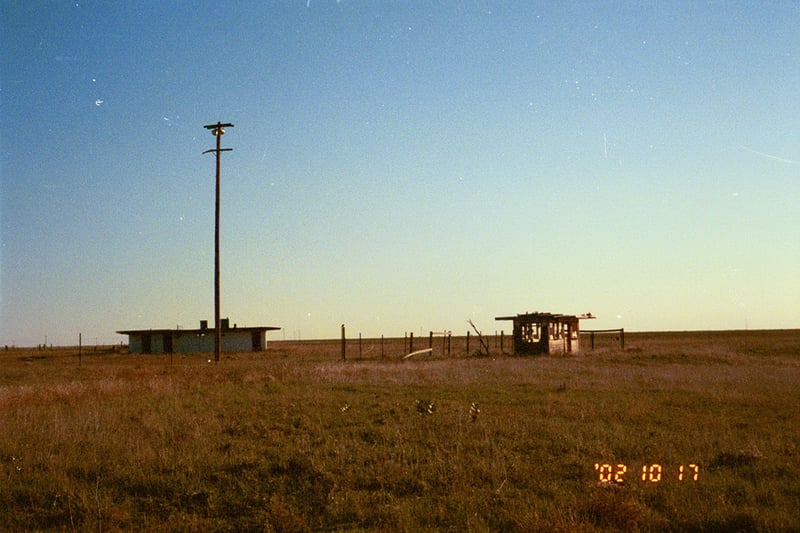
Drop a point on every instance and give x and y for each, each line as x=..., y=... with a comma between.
x=217, y=131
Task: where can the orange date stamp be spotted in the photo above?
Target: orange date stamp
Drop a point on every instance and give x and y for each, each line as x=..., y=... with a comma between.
x=652, y=473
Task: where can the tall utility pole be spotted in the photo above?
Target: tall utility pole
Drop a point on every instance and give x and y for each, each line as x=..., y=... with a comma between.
x=217, y=131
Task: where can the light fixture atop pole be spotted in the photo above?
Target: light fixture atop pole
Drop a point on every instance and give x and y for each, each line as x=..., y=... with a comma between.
x=217, y=131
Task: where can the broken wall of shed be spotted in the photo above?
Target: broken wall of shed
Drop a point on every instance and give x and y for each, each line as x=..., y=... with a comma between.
x=546, y=336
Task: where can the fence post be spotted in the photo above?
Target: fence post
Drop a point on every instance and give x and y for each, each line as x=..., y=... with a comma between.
x=591, y=341
x=622, y=338
x=343, y=344
x=449, y=340
x=430, y=340
x=411, y=342
x=360, y=353
x=381, y=345
x=467, y=343
x=502, y=337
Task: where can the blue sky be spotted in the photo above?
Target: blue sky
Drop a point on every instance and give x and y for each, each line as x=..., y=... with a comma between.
x=398, y=166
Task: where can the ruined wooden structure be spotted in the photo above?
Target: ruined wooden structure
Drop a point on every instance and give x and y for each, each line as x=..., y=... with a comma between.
x=546, y=333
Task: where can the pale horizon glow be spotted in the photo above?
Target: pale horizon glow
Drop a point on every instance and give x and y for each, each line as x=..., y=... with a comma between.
x=398, y=167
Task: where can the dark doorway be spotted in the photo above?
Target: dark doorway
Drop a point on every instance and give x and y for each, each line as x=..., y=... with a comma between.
x=147, y=344
x=167, y=342
x=256, y=336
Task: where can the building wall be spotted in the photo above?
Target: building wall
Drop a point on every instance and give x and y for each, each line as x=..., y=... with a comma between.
x=232, y=341
x=564, y=337
x=262, y=341
x=240, y=341
x=530, y=338
x=157, y=343
x=189, y=342
x=554, y=337
x=135, y=343
x=194, y=342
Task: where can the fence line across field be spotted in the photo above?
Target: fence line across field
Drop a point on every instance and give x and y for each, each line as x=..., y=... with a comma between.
x=448, y=347
x=620, y=332
x=356, y=345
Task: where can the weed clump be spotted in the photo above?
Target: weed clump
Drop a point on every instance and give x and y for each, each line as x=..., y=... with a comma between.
x=733, y=460
x=610, y=506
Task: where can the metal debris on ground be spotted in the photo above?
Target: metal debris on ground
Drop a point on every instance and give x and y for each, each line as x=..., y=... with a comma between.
x=473, y=412
x=424, y=407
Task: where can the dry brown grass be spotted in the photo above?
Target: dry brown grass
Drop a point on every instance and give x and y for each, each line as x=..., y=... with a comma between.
x=297, y=440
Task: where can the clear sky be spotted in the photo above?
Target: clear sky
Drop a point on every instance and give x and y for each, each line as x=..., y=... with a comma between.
x=398, y=166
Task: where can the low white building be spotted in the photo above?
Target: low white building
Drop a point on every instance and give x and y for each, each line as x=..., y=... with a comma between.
x=235, y=339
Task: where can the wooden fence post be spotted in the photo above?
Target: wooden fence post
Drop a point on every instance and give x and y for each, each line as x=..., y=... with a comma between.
x=343, y=344
x=430, y=340
x=622, y=338
x=467, y=343
x=360, y=352
x=411, y=342
x=381, y=345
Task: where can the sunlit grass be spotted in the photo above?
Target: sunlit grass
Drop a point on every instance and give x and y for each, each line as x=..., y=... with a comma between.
x=297, y=440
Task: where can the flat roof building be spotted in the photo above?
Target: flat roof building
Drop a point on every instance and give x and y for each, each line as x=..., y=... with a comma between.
x=235, y=339
x=546, y=333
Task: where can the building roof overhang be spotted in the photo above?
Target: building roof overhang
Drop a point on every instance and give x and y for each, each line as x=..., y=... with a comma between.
x=533, y=317
x=195, y=331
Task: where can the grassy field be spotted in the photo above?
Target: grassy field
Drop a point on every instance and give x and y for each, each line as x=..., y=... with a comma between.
x=295, y=439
